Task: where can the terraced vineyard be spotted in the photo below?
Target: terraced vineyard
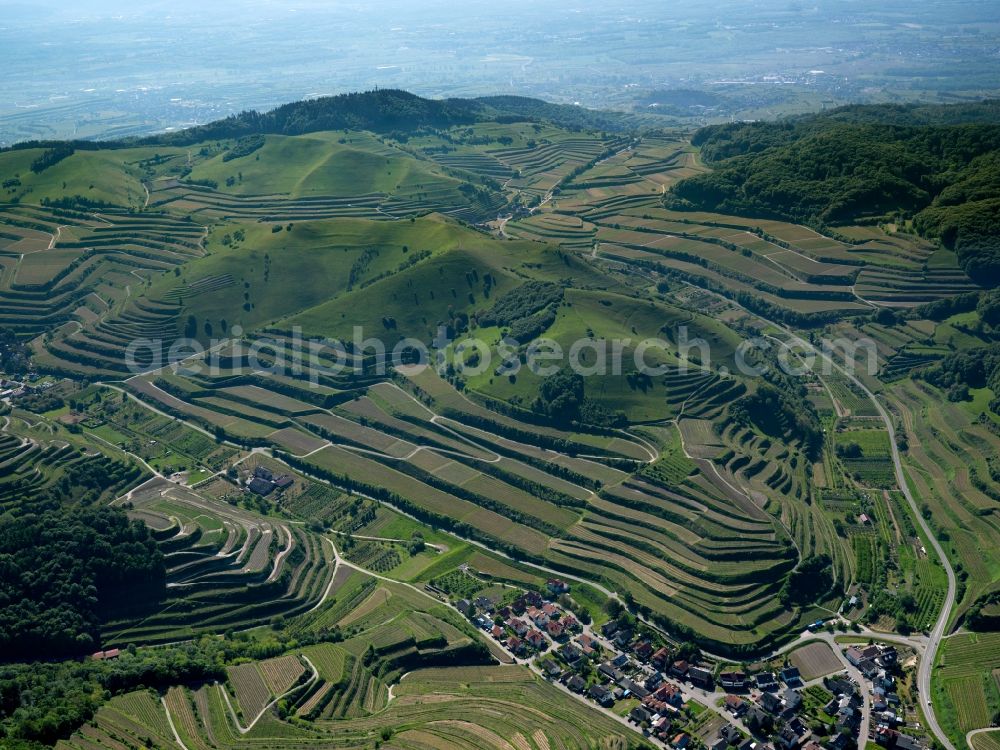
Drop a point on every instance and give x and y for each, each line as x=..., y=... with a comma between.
x=38, y=465
x=306, y=499
x=670, y=539
x=493, y=704
x=338, y=691
x=671, y=534
x=226, y=567
x=969, y=697
x=63, y=265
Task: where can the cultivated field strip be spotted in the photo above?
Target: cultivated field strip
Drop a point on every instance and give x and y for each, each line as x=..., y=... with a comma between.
x=226, y=568
x=678, y=544
x=50, y=285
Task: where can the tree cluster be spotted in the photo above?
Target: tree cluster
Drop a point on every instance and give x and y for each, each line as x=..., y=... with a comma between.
x=811, y=581
x=781, y=411
x=14, y=353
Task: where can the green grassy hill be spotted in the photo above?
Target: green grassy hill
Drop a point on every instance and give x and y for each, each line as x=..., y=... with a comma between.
x=320, y=164
x=472, y=270
x=110, y=176
x=271, y=275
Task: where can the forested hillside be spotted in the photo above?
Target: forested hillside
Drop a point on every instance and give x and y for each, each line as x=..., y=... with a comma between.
x=62, y=570
x=938, y=166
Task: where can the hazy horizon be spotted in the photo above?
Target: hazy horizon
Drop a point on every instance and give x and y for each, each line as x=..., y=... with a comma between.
x=103, y=68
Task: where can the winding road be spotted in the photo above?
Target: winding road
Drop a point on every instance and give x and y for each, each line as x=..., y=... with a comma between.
x=974, y=732
x=926, y=666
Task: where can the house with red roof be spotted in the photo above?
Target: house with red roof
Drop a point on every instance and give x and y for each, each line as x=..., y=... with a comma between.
x=520, y=627
x=536, y=640
x=670, y=694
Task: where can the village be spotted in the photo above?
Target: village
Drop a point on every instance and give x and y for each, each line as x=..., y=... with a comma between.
x=680, y=700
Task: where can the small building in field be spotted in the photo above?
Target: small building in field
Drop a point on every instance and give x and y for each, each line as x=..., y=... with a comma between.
x=557, y=586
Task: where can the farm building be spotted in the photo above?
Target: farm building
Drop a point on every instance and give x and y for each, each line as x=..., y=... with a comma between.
x=261, y=486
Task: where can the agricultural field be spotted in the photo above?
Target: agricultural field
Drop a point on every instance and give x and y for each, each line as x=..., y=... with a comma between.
x=227, y=566
x=461, y=707
x=381, y=670
x=815, y=660
x=948, y=466
x=865, y=455
x=44, y=461
x=986, y=741
x=966, y=689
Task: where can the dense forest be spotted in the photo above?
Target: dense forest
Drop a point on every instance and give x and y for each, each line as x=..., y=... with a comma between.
x=42, y=702
x=14, y=354
x=978, y=367
x=60, y=569
x=939, y=166
x=810, y=582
